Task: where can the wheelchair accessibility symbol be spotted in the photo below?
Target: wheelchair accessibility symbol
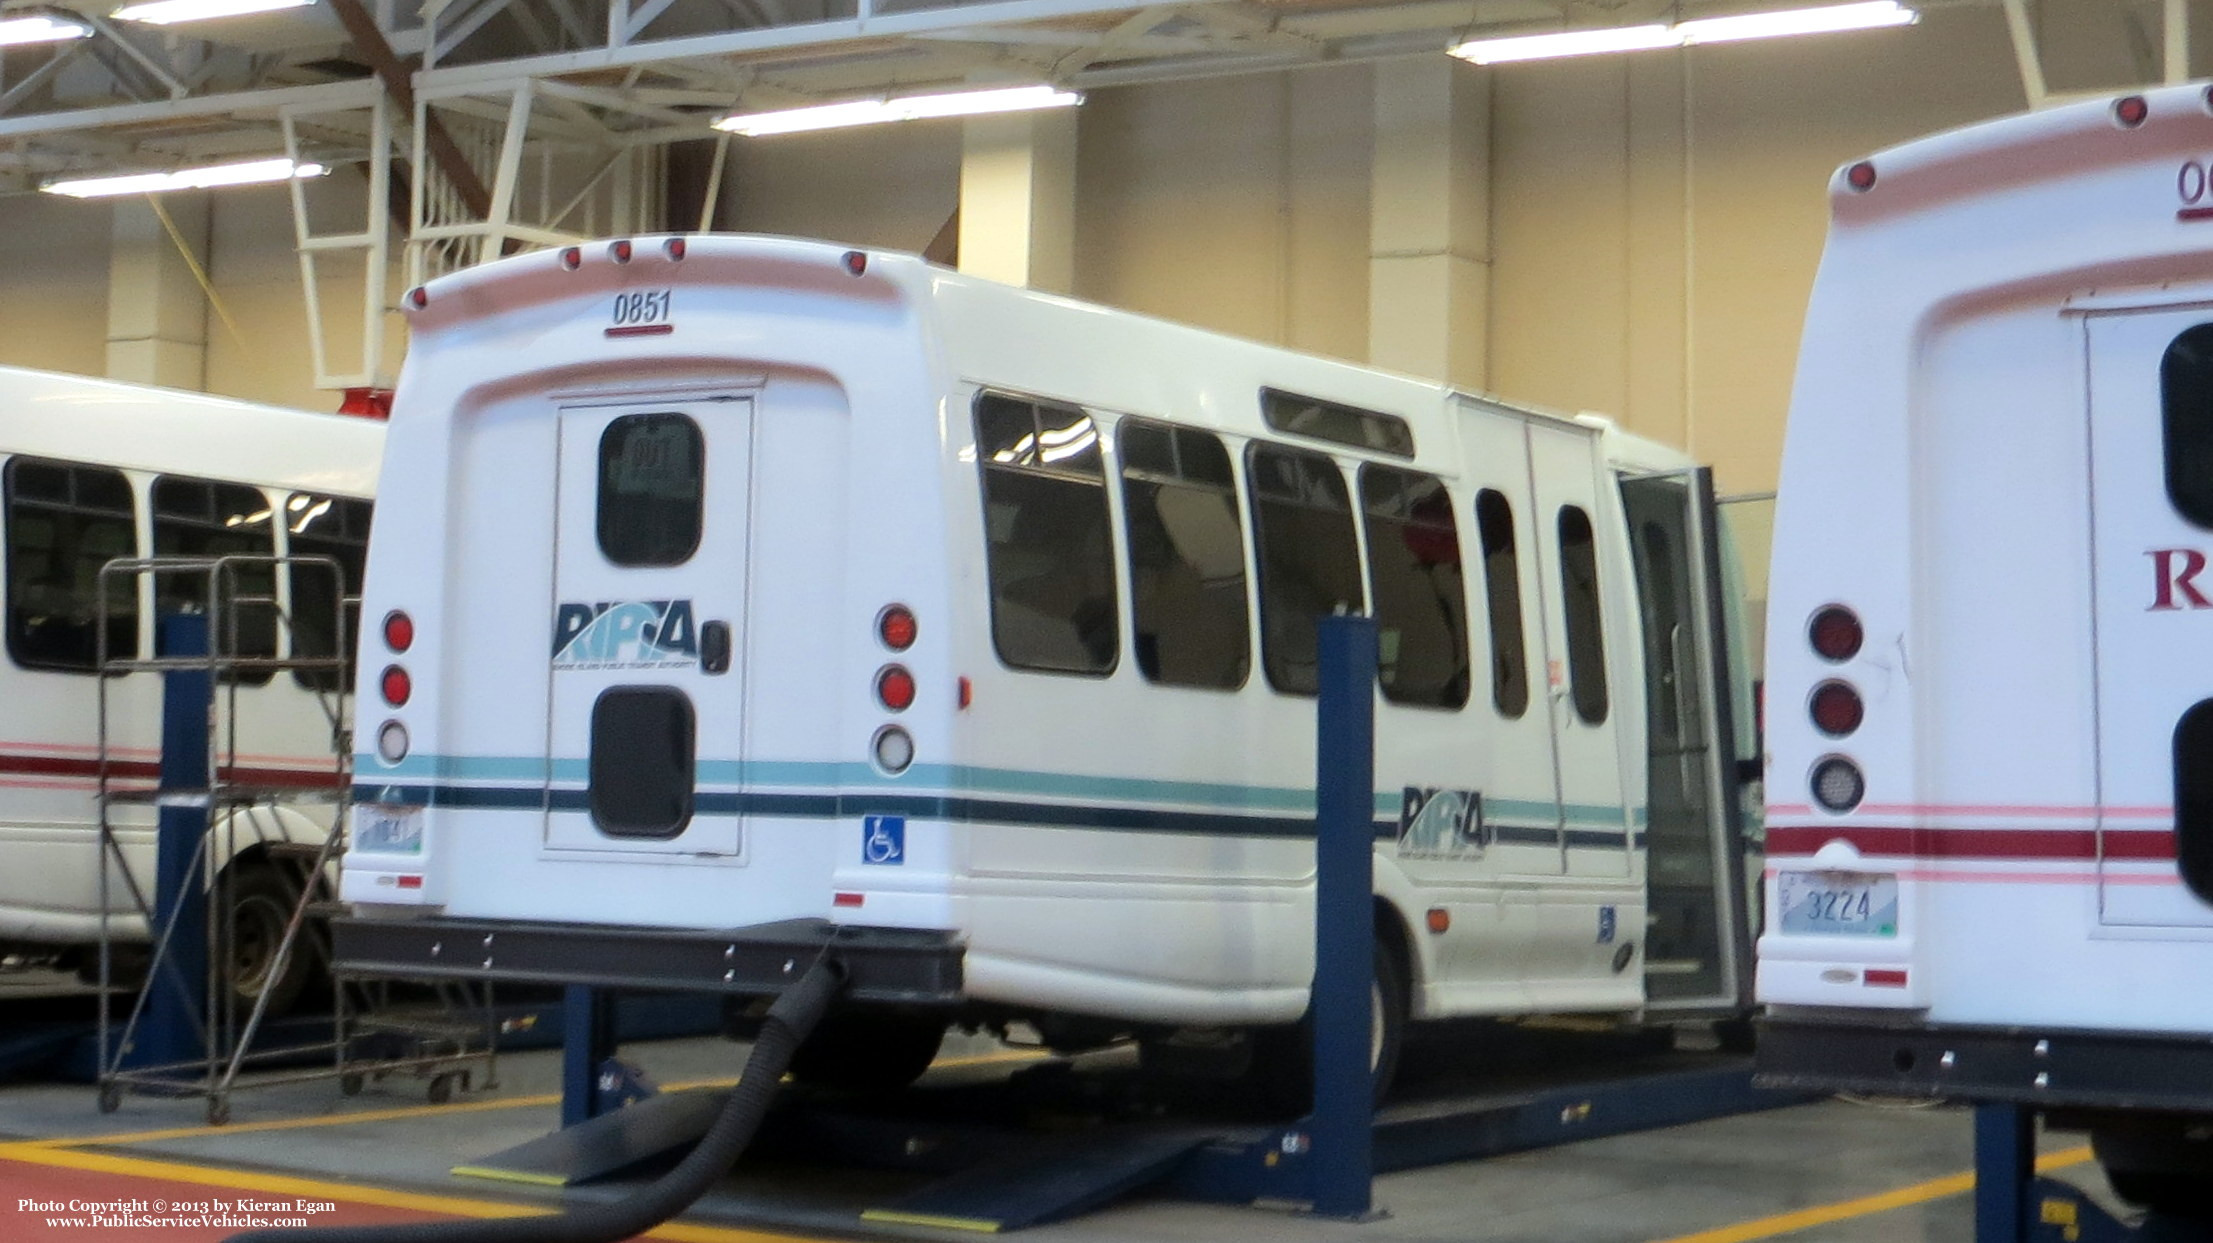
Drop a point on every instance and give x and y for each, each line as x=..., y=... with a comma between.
x=883, y=839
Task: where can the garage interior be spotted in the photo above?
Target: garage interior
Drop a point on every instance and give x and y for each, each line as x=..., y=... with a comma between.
x=1630, y=234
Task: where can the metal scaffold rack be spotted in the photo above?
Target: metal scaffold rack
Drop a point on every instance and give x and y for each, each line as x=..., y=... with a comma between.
x=223, y=856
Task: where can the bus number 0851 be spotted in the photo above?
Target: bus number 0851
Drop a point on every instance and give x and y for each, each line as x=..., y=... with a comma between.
x=650, y=306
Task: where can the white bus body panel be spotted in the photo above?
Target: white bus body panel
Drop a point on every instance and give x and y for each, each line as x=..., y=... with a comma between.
x=1973, y=466
x=49, y=728
x=1103, y=845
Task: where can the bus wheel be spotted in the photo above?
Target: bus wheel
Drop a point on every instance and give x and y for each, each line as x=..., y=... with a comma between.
x=2162, y=1191
x=1283, y=1057
x=257, y=903
x=868, y=1051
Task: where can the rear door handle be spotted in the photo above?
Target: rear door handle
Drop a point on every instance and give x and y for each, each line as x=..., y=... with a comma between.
x=714, y=647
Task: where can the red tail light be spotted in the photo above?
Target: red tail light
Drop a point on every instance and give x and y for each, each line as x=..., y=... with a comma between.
x=1835, y=633
x=396, y=685
x=896, y=627
x=895, y=687
x=399, y=631
x=1836, y=709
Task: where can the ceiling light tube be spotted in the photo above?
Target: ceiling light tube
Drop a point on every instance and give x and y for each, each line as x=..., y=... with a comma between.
x=252, y=172
x=19, y=30
x=171, y=12
x=907, y=108
x=1567, y=43
x=1867, y=16
x=1863, y=16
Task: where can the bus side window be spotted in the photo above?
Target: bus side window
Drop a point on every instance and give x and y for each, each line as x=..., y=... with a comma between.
x=338, y=528
x=2194, y=799
x=1579, y=590
x=1049, y=542
x=1494, y=521
x=1309, y=558
x=1187, y=557
x=2186, y=419
x=203, y=518
x=64, y=523
x=1421, y=603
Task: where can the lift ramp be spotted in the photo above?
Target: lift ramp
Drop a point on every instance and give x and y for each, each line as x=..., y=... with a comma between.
x=1054, y=1141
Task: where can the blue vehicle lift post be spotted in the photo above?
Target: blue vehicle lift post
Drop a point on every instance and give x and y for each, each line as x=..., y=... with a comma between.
x=1342, y=1165
x=176, y=1016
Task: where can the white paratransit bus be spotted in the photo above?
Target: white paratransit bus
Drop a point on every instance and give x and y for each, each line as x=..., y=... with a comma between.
x=1990, y=643
x=727, y=583
x=92, y=471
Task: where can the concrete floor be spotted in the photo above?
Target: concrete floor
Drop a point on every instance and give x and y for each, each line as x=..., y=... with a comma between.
x=1725, y=1181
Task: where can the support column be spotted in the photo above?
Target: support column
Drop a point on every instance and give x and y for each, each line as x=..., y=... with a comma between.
x=1018, y=199
x=157, y=313
x=1429, y=265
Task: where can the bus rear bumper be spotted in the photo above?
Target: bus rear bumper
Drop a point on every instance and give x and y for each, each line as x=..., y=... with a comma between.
x=889, y=965
x=2065, y=1068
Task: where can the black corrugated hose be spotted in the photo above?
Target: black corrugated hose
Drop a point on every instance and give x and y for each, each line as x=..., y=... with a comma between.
x=793, y=1015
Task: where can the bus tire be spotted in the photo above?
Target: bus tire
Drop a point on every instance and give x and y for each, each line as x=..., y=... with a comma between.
x=2162, y=1191
x=868, y=1051
x=1283, y=1057
x=257, y=903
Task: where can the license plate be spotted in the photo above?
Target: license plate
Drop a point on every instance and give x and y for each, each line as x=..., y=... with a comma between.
x=1851, y=903
x=388, y=830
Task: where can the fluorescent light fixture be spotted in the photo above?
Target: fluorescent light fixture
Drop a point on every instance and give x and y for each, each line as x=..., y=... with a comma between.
x=170, y=12
x=908, y=108
x=1567, y=43
x=1863, y=16
x=1866, y=16
x=253, y=172
x=18, y=30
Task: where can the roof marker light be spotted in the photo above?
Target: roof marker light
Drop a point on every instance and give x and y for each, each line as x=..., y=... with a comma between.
x=675, y=248
x=856, y=262
x=2130, y=111
x=418, y=297
x=620, y=250
x=572, y=257
x=1861, y=176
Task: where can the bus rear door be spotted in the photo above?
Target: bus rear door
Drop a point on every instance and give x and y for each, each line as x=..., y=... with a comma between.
x=649, y=605
x=2151, y=503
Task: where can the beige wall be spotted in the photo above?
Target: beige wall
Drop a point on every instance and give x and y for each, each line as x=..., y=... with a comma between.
x=1655, y=218
x=54, y=283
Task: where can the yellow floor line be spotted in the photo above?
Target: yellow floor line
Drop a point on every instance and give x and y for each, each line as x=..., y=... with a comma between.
x=1844, y=1210
x=351, y=1193
x=427, y=1111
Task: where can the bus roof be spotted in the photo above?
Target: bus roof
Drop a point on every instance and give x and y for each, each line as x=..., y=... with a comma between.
x=138, y=427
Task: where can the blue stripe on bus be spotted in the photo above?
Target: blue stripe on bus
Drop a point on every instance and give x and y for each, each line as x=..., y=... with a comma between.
x=851, y=805
x=965, y=780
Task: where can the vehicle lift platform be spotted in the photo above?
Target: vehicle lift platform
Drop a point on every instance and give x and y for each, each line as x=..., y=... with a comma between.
x=1056, y=1139
x=1061, y=1137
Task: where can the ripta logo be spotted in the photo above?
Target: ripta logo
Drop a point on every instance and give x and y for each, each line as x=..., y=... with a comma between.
x=1442, y=824
x=625, y=634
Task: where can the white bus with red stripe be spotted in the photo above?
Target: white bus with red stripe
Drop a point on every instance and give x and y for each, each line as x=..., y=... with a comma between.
x=883, y=598
x=91, y=471
x=1990, y=666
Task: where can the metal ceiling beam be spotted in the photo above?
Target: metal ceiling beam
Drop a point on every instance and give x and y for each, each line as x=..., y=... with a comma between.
x=369, y=40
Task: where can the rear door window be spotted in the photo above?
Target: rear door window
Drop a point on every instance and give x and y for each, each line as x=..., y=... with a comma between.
x=642, y=761
x=652, y=468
